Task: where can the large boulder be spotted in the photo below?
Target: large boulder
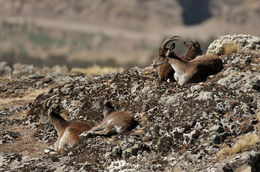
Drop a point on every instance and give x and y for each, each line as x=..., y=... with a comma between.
x=246, y=43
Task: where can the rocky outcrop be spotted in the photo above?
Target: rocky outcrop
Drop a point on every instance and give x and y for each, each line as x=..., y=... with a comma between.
x=246, y=43
x=177, y=127
x=5, y=69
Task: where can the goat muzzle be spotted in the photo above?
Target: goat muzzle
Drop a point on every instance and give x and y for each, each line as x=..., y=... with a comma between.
x=160, y=63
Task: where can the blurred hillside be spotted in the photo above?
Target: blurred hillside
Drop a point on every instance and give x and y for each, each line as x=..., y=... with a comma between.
x=114, y=32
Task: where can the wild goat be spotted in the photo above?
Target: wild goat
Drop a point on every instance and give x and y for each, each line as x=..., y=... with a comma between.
x=193, y=50
x=68, y=131
x=195, y=70
x=165, y=70
x=113, y=121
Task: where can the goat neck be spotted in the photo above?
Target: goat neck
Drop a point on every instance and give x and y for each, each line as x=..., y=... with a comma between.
x=58, y=121
x=178, y=64
x=107, y=108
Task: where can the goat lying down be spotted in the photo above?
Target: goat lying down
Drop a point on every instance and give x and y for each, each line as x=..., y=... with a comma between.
x=113, y=121
x=195, y=70
x=165, y=71
x=68, y=131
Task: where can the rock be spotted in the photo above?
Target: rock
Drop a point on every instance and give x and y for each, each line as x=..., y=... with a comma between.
x=19, y=69
x=244, y=162
x=248, y=59
x=8, y=137
x=220, y=129
x=243, y=168
x=245, y=42
x=170, y=100
x=205, y=96
x=256, y=85
x=254, y=121
x=50, y=151
x=216, y=140
x=165, y=144
x=5, y=68
x=195, y=88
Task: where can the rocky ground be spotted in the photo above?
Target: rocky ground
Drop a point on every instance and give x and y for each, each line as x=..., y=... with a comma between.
x=208, y=126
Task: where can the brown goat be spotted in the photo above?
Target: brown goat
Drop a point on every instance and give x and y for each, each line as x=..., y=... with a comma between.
x=68, y=131
x=113, y=121
x=195, y=70
x=193, y=50
x=165, y=71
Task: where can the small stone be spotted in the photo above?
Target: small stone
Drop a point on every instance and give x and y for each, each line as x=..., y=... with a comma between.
x=205, y=96
x=195, y=88
x=220, y=129
x=217, y=139
x=165, y=144
x=5, y=68
x=47, y=151
x=248, y=59
x=256, y=86
x=55, y=159
x=254, y=121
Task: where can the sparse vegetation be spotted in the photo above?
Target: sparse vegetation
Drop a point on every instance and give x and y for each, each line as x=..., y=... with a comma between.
x=245, y=143
x=231, y=48
x=32, y=42
x=97, y=70
x=38, y=44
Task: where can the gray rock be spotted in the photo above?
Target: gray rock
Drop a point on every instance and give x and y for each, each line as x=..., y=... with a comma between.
x=205, y=95
x=5, y=68
x=246, y=43
x=195, y=88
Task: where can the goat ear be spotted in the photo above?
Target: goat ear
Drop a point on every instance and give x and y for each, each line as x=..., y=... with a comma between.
x=197, y=44
x=194, y=45
x=160, y=51
x=163, y=52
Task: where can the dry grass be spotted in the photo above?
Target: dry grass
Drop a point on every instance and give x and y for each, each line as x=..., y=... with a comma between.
x=245, y=143
x=30, y=96
x=258, y=115
x=252, y=4
x=177, y=168
x=143, y=117
x=230, y=48
x=143, y=120
x=27, y=144
x=97, y=70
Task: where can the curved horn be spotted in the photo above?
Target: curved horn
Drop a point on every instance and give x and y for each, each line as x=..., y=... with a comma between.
x=170, y=39
x=47, y=102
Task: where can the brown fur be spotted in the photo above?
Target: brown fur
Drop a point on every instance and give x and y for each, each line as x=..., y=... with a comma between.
x=193, y=50
x=196, y=70
x=113, y=121
x=68, y=131
x=165, y=71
